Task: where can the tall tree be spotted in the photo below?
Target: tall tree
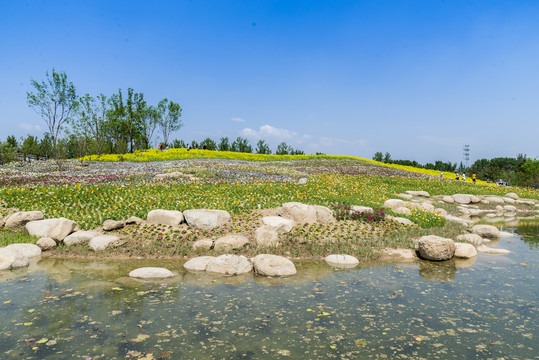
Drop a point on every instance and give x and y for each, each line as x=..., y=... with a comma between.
x=262, y=147
x=126, y=117
x=92, y=118
x=55, y=100
x=283, y=149
x=149, y=121
x=224, y=144
x=169, y=118
x=241, y=145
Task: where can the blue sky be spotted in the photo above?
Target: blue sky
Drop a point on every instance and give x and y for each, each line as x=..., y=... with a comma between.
x=417, y=79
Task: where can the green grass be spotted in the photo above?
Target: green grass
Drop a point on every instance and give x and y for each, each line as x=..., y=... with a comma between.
x=9, y=237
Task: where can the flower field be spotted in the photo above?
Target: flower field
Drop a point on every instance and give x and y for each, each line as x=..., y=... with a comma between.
x=92, y=192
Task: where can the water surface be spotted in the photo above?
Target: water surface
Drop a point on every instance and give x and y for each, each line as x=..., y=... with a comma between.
x=63, y=309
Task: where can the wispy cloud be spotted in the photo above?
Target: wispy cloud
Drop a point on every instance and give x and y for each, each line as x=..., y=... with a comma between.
x=268, y=131
x=237, y=119
x=29, y=127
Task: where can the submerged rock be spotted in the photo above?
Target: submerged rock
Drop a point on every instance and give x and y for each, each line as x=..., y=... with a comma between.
x=151, y=273
x=493, y=251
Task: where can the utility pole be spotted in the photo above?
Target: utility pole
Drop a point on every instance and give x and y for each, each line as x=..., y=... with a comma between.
x=466, y=151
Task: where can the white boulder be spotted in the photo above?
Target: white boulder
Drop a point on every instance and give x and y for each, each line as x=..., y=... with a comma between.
x=279, y=223
x=432, y=247
x=232, y=241
x=80, y=237
x=273, y=265
x=229, y=265
x=393, y=204
x=206, y=219
x=418, y=193
x=46, y=243
x=102, y=242
x=198, y=263
x=40, y=228
x=151, y=273
x=486, y=231
x=341, y=260
x=28, y=250
x=110, y=225
x=462, y=198
x=472, y=239
x=165, y=217
x=266, y=236
x=21, y=218
x=465, y=251
x=61, y=229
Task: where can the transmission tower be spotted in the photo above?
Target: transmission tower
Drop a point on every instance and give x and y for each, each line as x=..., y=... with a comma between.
x=466, y=151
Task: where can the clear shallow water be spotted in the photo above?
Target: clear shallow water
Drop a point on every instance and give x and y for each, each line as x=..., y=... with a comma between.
x=64, y=309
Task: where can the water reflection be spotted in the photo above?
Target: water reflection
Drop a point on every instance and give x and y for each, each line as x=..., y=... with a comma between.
x=438, y=271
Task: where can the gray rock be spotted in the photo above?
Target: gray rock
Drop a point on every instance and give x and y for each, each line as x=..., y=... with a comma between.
x=165, y=217
x=229, y=265
x=403, y=211
x=436, y=248
x=401, y=220
x=80, y=237
x=508, y=200
x=206, y=219
x=203, y=244
x=266, y=236
x=102, y=242
x=512, y=196
x=399, y=254
x=465, y=251
x=462, y=198
x=340, y=260
x=474, y=199
x=448, y=199
x=61, y=229
x=46, y=243
x=418, y=193
x=504, y=234
x=11, y=259
x=303, y=213
x=28, y=250
x=110, y=225
x=232, y=241
x=280, y=224
x=441, y=212
x=40, y=228
x=405, y=196
x=151, y=273
x=492, y=251
x=361, y=209
x=486, y=231
x=472, y=239
x=273, y=265
x=133, y=220
x=21, y=218
x=493, y=199
x=458, y=220
x=198, y=263
x=509, y=208
x=393, y=204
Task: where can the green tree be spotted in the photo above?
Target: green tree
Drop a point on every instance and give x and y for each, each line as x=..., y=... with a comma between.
x=208, y=144
x=387, y=158
x=378, y=156
x=126, y=118
x=224, y=144
x=150, y=120
x=11, y=142
x=241, y=145
x=55, y=101
x=169, y=118
x=178, y=144
x=262, y=147
x=531, y=171
x=92, y=118
x=283, y=149
x=30, y=146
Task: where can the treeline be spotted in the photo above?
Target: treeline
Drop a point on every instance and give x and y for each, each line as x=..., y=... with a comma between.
x=519, y=171
x=74, y=146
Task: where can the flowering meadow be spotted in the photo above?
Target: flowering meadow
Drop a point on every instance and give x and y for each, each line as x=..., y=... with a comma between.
x=92, y=192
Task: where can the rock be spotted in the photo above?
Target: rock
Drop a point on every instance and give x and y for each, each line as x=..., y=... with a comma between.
x=171, y=175
x=499, y=208
x=206, y=219
x=474, y=199
x=110, y=225
x=403, y=211
x=80, y=237
x=504, y=234
x=418, y=193
x=399, y=254
x=21, y=218
x=401, y=220
x=462, y=198
x=486, y=231
x=458, y=220
x=165, y=217
x=525, y=202
x=465, y=251
x=28, y=250
x=40, y=228
x=198, y=263
x=405, y=196
x=232, y=241
x=302, y=181
x=61, y=229
x=509, y=208
x=303, y=213
x=46, y=243
x=493, y=251
x=441, y=212
x=493, y=199
x=436, y=248
x=448, y=199
x=341, y=260
x=151, y=273
x=266, y=236
x=102, y=242
x=361, y=209
x=203, y=244
x=427, y=207
x=472, y=239
x=10, y=258
x=393, y=204
x=273, y=265
x=280, y=224
x=133, y=220
x=508, y=200
x=229, y=265
x=512, y=196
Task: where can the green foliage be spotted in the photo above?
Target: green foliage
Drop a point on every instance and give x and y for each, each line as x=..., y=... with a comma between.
x=169, y=118
x=378, y=156
x=241, y=145
x=262, y=147
x=283, y=149
x=208, y=144
x=224, y=144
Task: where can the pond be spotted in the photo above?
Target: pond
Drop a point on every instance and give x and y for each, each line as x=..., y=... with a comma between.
x=74, y=309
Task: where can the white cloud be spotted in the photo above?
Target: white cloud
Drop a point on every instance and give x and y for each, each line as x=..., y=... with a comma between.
x=29, y=127
x=268, y=131
x=237, y=119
